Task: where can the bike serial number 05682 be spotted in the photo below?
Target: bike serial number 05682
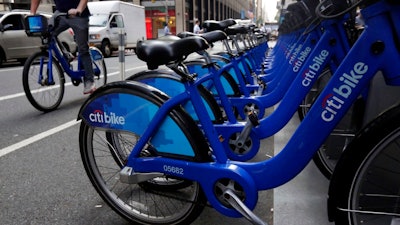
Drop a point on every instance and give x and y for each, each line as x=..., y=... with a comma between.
x=173, y=169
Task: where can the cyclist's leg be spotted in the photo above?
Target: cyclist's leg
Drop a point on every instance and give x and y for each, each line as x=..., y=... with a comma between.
x=80, y=26
x=62, y=25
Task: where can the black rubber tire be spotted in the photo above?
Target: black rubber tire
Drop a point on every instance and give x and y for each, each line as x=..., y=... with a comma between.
x=106, y=48
x=366, y=176
x=44, y=96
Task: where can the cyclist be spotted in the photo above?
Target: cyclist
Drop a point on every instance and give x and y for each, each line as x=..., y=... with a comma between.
x=78, y=20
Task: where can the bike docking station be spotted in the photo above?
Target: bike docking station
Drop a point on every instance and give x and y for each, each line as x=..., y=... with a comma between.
x=186, y=137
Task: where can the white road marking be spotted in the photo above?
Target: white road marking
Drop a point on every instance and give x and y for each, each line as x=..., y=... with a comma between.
x=37, y=137
x=44, y=134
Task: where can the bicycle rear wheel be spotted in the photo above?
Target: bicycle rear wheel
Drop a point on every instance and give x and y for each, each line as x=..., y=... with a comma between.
x=365, y=186
x=163, y=200
x=120, y=146
x=43, y=88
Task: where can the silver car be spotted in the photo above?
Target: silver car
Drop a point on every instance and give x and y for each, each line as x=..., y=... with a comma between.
x=15, y=44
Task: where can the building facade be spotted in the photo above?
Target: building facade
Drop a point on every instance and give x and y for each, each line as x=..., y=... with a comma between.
x=181, y=14
x=178, y=14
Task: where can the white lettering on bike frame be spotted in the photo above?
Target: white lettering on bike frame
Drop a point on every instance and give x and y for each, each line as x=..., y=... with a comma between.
x=334, y=101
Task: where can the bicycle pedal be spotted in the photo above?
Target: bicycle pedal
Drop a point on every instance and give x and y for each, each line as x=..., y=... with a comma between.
x=253, y=117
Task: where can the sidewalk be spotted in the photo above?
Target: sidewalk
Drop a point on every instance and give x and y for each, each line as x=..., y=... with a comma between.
x=302, y=201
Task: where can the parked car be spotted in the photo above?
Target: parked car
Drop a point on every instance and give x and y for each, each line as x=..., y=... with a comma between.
x=15, y=44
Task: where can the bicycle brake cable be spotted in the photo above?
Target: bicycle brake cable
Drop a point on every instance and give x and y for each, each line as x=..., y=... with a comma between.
x=319, y=9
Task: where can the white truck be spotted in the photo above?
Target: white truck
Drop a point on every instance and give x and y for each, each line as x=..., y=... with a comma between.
x=109, y=18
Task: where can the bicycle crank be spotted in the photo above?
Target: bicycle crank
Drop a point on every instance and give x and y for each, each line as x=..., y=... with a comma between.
x=232, y=195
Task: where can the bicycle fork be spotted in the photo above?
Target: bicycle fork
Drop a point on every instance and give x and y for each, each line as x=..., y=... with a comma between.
x=45, y=78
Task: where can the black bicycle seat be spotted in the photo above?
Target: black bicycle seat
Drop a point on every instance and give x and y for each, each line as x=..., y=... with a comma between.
x=156, y=52
x=236, y=30
x=211, y=25
x=210, y=37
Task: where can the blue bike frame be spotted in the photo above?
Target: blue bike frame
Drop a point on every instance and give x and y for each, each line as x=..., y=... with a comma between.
x=375, y=50
x=74, y=74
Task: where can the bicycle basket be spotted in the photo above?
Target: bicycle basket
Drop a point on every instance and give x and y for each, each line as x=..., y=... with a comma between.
x=36, y=25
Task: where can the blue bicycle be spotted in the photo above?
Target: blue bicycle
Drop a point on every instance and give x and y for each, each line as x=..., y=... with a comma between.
x=241, y=140
x=43, y=74
x=153, y=164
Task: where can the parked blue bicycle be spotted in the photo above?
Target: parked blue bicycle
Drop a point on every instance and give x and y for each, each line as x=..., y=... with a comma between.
x=153, y=164
x=241, y=144
x=43, y=74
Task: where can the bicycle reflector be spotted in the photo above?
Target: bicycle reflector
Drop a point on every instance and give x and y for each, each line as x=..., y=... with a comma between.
x=36, y=25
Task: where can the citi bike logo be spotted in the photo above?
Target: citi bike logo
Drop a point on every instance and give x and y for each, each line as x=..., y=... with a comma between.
x=99, y=116
x=295, y=53
x=334, y=101
x=313, y=69
x=289, y=50
x=302, y=57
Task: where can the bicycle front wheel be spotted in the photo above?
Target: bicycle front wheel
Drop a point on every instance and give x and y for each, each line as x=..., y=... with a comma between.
x=365, y=187
x=43, y=86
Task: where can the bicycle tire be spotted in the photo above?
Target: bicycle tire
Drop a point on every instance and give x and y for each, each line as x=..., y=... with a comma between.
x=45, y=95
x=365, y=185
x=125, y=199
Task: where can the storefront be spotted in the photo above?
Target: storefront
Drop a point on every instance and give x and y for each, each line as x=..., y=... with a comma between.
x=155, y=19
x=157, y=14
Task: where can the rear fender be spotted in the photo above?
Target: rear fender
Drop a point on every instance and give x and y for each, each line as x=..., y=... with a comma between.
x=126, y=106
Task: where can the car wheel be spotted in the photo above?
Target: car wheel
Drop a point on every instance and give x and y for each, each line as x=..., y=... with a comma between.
x=106, y=49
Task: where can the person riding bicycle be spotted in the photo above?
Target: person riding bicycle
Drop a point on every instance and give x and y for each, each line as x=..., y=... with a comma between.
x=78, y=20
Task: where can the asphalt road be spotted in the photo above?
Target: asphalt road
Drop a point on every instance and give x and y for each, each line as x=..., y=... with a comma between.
x=42, y=179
